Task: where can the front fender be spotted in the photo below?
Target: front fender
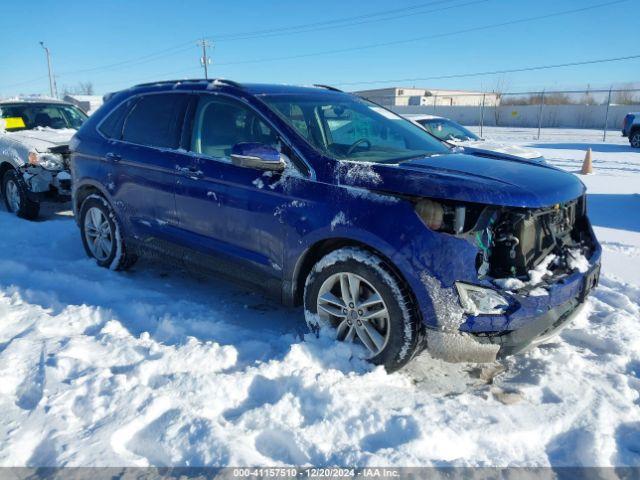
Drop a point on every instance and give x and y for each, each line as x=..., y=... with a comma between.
x=14, y=153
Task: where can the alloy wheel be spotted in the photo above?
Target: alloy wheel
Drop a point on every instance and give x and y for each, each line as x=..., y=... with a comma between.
x=635, y=140
x=13, y=196
x=98, y=234
x=352, y=305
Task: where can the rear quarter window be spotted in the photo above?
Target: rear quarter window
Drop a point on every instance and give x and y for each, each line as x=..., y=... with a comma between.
x=156, y=120
x=111, y=126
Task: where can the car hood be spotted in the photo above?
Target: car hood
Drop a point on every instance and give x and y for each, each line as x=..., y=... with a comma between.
x=467, y=178
x=501, y=148
x=42, y=139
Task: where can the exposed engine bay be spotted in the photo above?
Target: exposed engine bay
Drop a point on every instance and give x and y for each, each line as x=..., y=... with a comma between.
x=515, y=241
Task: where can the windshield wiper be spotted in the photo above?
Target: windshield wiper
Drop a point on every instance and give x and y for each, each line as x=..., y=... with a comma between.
x=407, y=159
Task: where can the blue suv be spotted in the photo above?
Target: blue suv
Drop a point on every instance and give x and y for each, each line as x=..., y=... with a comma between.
x=324, y=199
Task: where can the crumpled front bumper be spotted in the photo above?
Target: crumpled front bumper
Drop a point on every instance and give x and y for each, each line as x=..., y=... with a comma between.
x=51, y=185
x=532, y=320
x=536, y=318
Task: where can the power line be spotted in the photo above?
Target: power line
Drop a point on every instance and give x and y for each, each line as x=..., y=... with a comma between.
x=427, y=37
x=302, y=28
x=313, y=27
x=113, y=66
x=271, y=32
x=495, y=72
x=26, y=82
x=136, y=61
x=182, y=47
x=440, y=77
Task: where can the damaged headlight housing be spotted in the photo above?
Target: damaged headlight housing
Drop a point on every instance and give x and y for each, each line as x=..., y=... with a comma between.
x=478, y=300
x=441, y=217
x=48, y=161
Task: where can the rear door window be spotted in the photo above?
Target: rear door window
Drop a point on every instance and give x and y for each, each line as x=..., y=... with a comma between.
x=156, y=120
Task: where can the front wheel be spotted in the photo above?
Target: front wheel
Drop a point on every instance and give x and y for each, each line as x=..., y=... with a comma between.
x=16, y=196
x=354, y=292
x=101, y=236
x=634, y=139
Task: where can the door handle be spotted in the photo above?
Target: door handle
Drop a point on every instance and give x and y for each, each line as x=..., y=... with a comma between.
x=113, y=157
x=190, y=172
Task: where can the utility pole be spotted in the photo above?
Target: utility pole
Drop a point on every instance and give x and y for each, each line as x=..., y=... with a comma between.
x=52, y=81
x=205, y=60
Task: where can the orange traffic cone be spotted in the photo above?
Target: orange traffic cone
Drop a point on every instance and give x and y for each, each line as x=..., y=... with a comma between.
x=587, y=165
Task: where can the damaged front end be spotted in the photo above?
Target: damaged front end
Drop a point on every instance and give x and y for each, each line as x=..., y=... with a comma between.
x=528, y=251
x=47, y=174
x=534, y=267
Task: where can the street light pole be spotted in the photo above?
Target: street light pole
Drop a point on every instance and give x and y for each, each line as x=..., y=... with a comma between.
x=51, y=80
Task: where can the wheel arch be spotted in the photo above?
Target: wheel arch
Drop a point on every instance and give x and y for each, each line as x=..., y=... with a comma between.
x=82, y=191
x=315, y=252
x=5, y=166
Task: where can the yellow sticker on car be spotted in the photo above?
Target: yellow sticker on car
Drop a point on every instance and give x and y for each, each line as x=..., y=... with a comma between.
x=13, y=122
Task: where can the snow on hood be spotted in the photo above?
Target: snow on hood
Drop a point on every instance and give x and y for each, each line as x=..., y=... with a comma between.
x=498, y=147
x=43, y=138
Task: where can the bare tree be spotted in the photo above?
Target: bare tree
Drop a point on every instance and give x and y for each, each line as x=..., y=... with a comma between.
x=85, y=88
x=625, y=96
x=554, y=98
x=82, y=88
x=498, y=90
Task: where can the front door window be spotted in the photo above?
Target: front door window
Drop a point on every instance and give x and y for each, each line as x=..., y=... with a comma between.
x=220, y=124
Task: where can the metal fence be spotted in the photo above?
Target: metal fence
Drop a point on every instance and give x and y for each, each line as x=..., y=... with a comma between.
x=601, y=110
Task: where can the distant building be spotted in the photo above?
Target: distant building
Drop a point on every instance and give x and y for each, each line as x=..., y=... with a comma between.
x=401, y=96
x=88, y=103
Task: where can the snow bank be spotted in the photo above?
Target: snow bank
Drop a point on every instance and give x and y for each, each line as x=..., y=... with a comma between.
x=156, y=367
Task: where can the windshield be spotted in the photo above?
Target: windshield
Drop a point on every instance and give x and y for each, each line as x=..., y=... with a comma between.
x=447, y=130
x=27, y=116
x=348, y=128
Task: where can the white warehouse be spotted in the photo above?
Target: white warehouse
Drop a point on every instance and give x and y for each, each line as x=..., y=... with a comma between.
x=403, y=96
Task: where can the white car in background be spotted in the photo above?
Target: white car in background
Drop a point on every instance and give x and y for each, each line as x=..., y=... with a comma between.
x=34, y=152
x=457, y=135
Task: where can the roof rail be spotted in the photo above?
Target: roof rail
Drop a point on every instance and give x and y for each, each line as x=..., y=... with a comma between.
x=223, y=81
x=327, y=87
x=220, y=81
x=163, y=82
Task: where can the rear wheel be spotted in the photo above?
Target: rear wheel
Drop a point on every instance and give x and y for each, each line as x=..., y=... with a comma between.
x=634, y=139
x=16, y=196
x=354, y=292
x=101, y=236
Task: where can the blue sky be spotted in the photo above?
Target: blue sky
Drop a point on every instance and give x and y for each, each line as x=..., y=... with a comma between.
x=89, y=40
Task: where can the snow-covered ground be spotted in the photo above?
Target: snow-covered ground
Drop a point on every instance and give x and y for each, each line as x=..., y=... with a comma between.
x=159, y=367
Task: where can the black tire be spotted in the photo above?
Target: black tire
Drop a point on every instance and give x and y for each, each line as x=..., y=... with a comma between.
x=27, y=208
x=404, y=336
x=634, y=139
x=119, y=257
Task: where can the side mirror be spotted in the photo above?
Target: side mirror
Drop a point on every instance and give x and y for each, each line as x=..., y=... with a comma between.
x=257, y=155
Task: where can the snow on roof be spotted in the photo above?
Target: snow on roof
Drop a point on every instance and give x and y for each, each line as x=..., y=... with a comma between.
x=30, y=98
x=85, y=98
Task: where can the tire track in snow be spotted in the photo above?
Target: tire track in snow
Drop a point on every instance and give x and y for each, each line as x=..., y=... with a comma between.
x=144, y=368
